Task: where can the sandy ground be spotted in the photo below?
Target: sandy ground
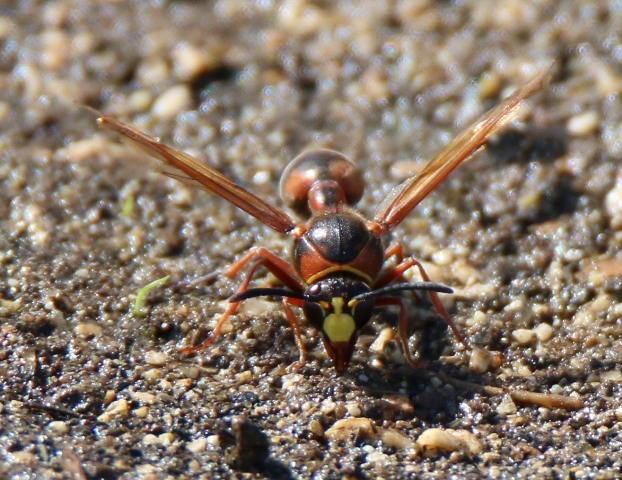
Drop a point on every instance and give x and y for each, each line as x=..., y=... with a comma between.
x=528, y=235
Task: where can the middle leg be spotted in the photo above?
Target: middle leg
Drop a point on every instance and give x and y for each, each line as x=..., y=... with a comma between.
x=397, y=273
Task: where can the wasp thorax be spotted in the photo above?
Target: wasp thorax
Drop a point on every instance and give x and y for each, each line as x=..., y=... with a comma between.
x=308, y=169
x=333, y=309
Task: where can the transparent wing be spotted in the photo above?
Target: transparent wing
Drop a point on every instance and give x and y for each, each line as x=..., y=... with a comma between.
x=188, y=170
x=406, y=196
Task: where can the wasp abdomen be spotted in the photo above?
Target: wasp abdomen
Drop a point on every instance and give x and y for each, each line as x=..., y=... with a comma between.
x=314, y=167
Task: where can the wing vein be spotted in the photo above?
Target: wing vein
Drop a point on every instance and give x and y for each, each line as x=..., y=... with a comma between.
x=407, y=195
x=191, y=171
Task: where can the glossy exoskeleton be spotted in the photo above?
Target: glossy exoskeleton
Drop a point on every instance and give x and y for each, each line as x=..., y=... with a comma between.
x=336, y=275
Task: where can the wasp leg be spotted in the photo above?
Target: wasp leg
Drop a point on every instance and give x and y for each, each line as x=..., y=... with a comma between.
x=402, y=326
x=258, y=256
x=394, y=249
x=228, y=312
x=397, y=272
x=293, y=321
x=277, y=266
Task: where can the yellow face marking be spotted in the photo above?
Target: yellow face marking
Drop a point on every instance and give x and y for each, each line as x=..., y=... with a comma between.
x=339, y=326
x=337, y=305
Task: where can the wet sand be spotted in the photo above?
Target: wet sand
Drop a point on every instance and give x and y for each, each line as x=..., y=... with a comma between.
x=527, y=234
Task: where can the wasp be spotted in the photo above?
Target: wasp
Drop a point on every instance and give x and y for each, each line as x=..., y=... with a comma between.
x=336, y=274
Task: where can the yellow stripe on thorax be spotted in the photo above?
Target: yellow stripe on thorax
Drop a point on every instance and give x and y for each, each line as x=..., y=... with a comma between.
x=339, y=268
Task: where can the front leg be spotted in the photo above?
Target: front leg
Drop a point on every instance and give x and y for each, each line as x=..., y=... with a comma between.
x=256, y=256
x=402, y=326
x=295, y=324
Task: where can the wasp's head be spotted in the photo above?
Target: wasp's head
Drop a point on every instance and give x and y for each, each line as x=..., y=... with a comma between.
x=339, y=307
x=331, y=307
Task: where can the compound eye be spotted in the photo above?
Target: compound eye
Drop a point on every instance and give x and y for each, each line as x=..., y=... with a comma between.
x=362, y=312
x=315, y=314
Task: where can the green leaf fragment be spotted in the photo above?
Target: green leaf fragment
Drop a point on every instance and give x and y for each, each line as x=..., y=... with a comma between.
x=138, y=306
x=128, y=206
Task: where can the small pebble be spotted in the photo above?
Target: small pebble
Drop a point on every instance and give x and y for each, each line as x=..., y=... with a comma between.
x=118, y=407
x=244, y=377
x=480, y=360
x=55, y=51
x=354, y=409
x=443, y=257
x=328, y=406
x=156, y=358
x=79, y=151
x=556, y=389
x=139, y=101
x=82, y=273
x=9, y=305
x=435, y=441
x=144, y=397
x=23, y=457
x=189, y=372
x=384, y=337
x=507, y=406
x=141, y=412
x=213, y=440
x=593, y=378
x=58, y=427
x=152, y=72
x=494, y=472
x=291, y=380
x=6, y=27
x=344, y=429
x=368, y=449
x=479, y=318
x=583, y=124
x=523, y=336
x=183, y=383
x=611, y=376
x=109, y=396
x=613, y=204
x=377, y=458
x=172, y=102
x=165, y=384
x=166, y=438
x=316, y=428
x=399, y=401
x=88, y=329
x=150, y=439
x=394, y=438
x=190, y=61
x=153, y=374
x=197, y=446
x=523, y=370
x=544, y=332
x=5, y=111
x=489, y=85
